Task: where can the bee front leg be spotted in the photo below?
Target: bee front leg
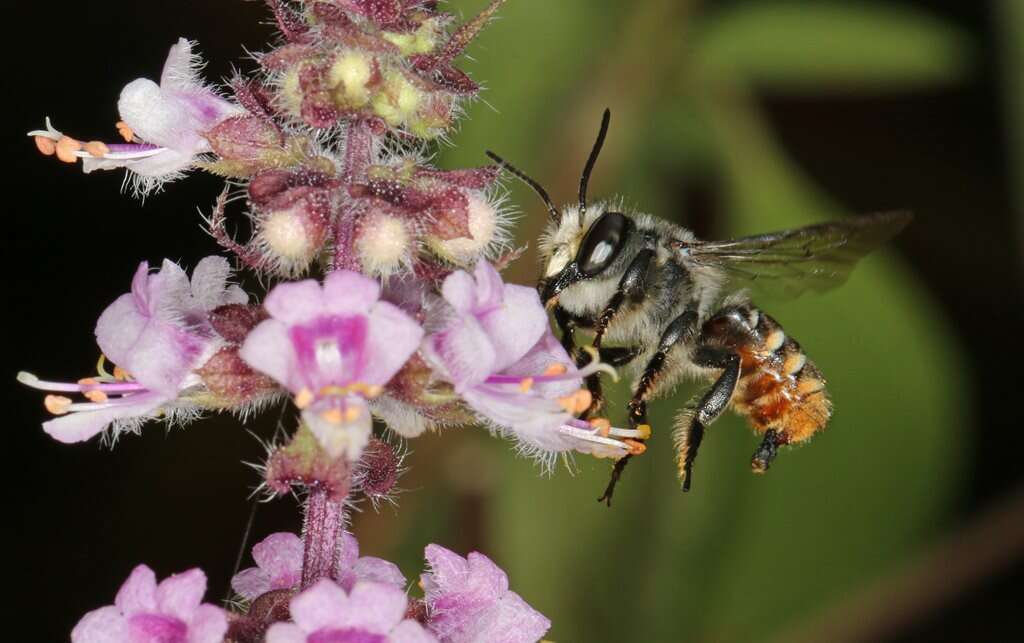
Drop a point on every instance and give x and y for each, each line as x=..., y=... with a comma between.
x=632, y=286
x=692, y=424
x=680, y=330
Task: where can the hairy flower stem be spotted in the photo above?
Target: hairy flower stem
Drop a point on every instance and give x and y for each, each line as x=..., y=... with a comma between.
x=321, y=534
x=359, y=146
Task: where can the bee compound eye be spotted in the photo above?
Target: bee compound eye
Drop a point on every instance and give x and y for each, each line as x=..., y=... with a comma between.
x=602, y=244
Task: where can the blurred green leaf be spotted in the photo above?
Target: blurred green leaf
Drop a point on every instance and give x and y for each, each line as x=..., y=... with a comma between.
x=829, y=45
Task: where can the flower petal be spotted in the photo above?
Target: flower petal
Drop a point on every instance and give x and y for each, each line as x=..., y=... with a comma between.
x=158, y=119
x=138, y=592
x=268, y=349
x=119, y=326
x=180, y=595
x=409, y=631
x=251, y=583
x=516, y=325
x=280, y=556
x=349, y=293
x=296, y=302
x=79, y=426
x=210, y=284
x=103, y=625
x=285, y=633
x=378, y=570
x=209, y=625
x=393, y=338
x=375, y=607
x=462, y=351
x=459, y=290
x=319, y=607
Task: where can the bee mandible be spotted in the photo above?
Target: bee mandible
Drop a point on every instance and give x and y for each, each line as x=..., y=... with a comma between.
x=653, y=294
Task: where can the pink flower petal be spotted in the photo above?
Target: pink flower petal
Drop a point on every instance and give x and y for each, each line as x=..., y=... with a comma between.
x=119, y=326
x=374, y=607
x=296, y=302
x=280, y=556
x=459, y=290
x=268, y=349
x=349, y=293
x=103, y=625
x=369, y=568
x=319, y=607
x=463, y=352
x=516, y=325
x=409, y=631
x=490, y=289
x=251, y=583
x=209, y=625
x=82, y=425
x=208, y=285
x=178, y=72
x=285, y=633
x=179, y=595
x=138, y=592
x=392, y=339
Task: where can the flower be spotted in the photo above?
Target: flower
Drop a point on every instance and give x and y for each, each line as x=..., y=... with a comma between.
x=468, y=601
x=333, y=346
x=279, y=566
x=495, y=346
x=144, y=612
x=369, y=613
x=157, y=335
x=162, y=124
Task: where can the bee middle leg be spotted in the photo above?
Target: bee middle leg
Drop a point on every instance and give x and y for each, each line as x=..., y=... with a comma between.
x=680, y=330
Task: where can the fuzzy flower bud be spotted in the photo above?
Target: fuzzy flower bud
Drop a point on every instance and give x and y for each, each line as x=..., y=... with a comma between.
x=464, y=231
x=384, y=242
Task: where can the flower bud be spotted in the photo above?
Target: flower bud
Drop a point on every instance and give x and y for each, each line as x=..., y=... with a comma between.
x=292, y=236
x=482, y=227
x=398, y=98
x=351, y=75
x=304, y=462
x=378, y=469
x=384, y=243
x=234, y=321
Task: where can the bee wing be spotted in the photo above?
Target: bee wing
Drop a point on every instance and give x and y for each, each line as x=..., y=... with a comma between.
x=791, y=262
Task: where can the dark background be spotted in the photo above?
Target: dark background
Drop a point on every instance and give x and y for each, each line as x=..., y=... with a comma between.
x=82, y=516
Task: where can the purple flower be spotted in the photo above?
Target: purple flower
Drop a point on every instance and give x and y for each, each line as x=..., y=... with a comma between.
x=163, y=125
x=279, y=566
x=156, y=335
x=369, y=613
x=144, y=612
x=495, y=346
x=333, y=346
x=468, y=601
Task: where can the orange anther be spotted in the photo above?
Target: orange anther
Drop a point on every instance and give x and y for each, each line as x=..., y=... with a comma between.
x=126, y=132
x=98, y=149
x=526, y=384
x=95, y=395
x=121, y=374
x=66, y=148
x=46, y=145
x=602, y=425
x=56, y=404
x=303, y=398
x=556, y=369
x=578, y=402
x=88, y=381
x=332, y=415
x=636, y=447
x=352, y=413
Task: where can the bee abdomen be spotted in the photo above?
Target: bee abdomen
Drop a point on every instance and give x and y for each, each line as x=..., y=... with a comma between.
x=779, y=388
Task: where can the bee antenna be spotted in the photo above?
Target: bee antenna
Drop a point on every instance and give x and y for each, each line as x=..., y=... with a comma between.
x=585, y=179
x=541, y=192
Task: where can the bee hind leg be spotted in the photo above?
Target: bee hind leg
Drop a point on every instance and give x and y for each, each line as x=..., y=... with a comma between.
x=767, y=451
x=692, y=423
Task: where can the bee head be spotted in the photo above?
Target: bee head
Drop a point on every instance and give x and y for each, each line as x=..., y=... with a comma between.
x=579, y=243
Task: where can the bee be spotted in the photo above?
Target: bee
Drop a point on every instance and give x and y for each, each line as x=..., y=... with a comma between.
x=652, y=294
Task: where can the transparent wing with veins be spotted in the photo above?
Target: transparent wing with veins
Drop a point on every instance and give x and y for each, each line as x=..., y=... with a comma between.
x=791, y=262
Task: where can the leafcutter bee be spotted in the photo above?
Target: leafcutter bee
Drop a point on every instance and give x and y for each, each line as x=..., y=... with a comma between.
x=653, y=294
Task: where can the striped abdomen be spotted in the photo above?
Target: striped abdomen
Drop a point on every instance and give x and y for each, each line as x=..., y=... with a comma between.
x=779, y=389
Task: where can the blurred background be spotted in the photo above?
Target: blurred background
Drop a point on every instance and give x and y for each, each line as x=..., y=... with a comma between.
x=904, y=521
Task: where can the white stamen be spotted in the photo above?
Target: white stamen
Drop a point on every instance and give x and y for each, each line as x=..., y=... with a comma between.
x=592, y=436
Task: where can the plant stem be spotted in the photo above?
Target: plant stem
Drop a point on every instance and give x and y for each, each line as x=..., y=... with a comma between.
x=321, y=535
